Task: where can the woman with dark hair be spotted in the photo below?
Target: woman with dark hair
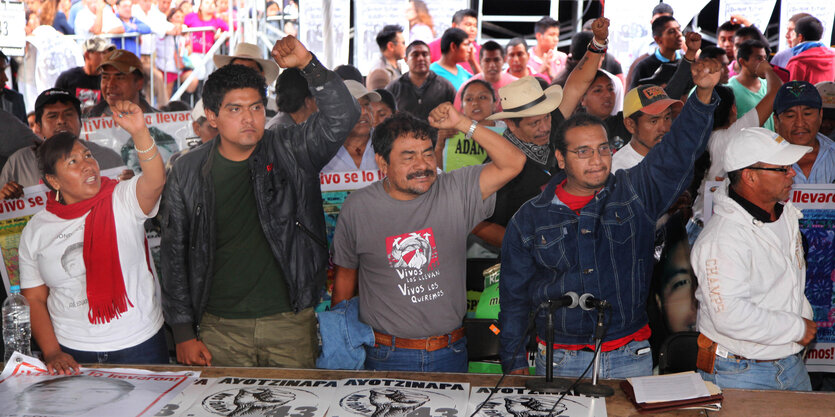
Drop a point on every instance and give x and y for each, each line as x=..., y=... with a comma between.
x=98, y=304
x=51, y=15
x=477, y=103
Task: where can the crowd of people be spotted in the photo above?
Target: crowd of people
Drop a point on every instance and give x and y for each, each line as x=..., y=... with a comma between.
x=562, y=166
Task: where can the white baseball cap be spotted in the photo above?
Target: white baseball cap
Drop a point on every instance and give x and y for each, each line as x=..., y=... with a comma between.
x=359, y=91
x=756, y=144
x=198, y=111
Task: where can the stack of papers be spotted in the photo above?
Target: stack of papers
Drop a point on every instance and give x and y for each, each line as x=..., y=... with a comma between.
x=673, y=391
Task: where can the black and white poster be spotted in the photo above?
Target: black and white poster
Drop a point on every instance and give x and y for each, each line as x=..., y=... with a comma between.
x=186, y=398
x=379, y=397
x=27, y=389
x=521, y=402
x=252, y=397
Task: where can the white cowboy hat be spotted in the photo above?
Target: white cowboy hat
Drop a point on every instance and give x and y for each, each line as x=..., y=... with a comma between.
x=249, y=51
x=525, y=98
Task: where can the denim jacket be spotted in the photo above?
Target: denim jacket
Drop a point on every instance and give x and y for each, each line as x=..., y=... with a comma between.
x=344, y=337
x=606, y=250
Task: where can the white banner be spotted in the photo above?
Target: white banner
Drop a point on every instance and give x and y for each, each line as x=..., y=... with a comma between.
x=172, y=132
x=442, y=11
x=348, y=180
x=757, y=11
x=324, y=28
x=630, y=31
x=686, y=10
x=26, y=388
x=12, y=28
x=369, y=18
x=824, y=10
x=803, y=196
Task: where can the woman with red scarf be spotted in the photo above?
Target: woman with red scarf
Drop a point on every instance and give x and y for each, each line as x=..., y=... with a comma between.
x=84, y=264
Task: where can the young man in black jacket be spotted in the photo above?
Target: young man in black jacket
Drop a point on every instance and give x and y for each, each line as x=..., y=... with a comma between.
x=243, y=247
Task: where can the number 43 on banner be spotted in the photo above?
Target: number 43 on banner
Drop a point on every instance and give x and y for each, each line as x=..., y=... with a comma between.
x=12, y=28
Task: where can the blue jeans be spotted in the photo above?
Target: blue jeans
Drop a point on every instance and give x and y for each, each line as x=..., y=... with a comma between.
x=630, y=360
x=151, y=351
x=788, y=374
x=452, y=358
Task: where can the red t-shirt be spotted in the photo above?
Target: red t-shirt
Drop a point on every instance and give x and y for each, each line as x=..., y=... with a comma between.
x=576, y=203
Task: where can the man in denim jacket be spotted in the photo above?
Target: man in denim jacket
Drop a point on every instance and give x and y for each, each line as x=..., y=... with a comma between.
x=592, y=232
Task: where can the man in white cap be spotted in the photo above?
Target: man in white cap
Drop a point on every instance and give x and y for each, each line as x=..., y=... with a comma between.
x=753, y=317
x=356, y=153
x=249, y=55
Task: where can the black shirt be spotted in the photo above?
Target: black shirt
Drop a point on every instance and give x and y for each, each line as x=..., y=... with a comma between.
x=419, y=101
x=645, y=68
x=87, y=88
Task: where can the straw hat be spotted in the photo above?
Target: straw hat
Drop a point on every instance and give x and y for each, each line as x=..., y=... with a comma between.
x=525, y=98
x=249, y=51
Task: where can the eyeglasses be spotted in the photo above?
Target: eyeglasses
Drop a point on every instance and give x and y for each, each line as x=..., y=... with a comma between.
x=783, y=169
x=586, y=152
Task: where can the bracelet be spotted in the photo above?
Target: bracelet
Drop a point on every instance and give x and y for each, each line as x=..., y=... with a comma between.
x=470, y=132
x=152, y=157
x=604, y=45
x=595, y=50
x=153, y=145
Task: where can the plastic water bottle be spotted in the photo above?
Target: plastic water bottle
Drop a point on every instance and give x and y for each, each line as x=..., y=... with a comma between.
x=16, y=326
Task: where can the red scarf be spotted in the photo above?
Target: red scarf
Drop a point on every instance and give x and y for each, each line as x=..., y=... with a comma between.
x=106, y=294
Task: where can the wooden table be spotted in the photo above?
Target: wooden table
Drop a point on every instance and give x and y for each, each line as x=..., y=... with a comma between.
x=737, y=402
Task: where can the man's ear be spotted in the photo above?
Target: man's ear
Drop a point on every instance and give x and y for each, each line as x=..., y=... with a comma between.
x=630, y=125
x=211, y=117
x=560, y=159
x=381, y=163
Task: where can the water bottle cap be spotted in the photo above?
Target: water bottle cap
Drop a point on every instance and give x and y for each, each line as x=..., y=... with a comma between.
x=14, y=289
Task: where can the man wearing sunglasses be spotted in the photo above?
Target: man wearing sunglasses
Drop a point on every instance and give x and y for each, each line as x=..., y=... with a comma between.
x=754, y=317
x=591, y=232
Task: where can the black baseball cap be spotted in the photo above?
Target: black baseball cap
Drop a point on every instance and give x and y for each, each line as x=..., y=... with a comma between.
x=54, y=95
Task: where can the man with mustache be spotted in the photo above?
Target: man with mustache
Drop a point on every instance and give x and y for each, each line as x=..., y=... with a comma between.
x=400, y=243
x=648, y=116
x=754, y=317
x=356, y=152
x=798, y=109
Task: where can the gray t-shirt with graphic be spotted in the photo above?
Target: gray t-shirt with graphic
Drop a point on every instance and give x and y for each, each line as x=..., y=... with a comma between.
x=411, y=255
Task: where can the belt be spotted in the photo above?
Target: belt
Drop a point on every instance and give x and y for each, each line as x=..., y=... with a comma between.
x=743, y=358
x=428, y=344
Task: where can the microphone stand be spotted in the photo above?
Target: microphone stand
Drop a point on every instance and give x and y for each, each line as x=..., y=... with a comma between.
x=549, y=384
x=594, y=390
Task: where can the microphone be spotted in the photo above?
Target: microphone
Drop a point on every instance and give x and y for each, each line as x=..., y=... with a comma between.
x=569, y=300
x=588, y=302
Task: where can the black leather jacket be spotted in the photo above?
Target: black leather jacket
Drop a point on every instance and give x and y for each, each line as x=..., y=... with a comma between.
x=285, y=169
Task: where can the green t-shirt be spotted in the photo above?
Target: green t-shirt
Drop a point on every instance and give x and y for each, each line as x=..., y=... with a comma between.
x=747, y=100
x=460, y=152
x=247, y=281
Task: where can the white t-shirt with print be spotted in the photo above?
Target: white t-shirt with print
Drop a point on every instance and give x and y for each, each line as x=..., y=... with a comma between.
x=51, y=254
